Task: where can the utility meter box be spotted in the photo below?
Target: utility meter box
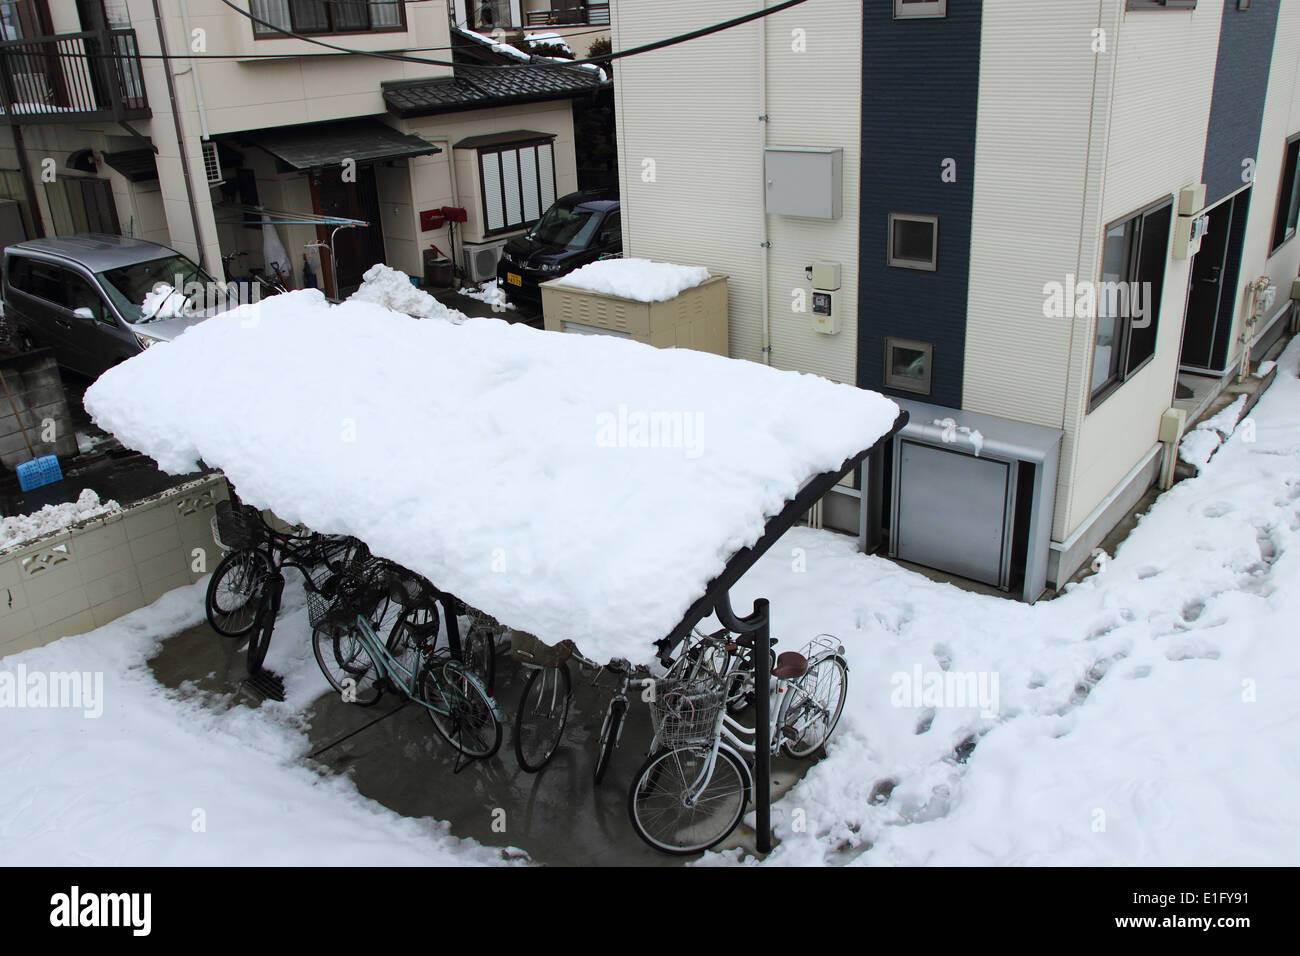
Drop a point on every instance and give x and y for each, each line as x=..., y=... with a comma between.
x=824, y=275
x=826, y=311
x=803, y=181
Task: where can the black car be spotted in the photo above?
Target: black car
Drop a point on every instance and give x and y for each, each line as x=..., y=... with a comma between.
x=579, y=228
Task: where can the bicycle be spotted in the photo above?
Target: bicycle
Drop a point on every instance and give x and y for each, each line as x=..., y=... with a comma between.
x=693, y=788
x=247, y=585
x=543, y=710
x=351, y=655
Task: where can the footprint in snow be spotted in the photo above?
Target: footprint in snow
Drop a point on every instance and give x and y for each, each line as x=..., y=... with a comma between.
x=1217, y=510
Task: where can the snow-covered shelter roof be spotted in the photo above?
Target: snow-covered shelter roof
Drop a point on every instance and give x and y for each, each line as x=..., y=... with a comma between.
x=572, y=486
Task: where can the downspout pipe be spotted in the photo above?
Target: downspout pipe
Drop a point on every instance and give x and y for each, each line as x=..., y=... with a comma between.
x=194, y=72
x=180, y=138
x=764, y=243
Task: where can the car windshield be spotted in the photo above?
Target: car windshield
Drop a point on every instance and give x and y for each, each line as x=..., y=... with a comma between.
x=127, y=286
x=561, y=226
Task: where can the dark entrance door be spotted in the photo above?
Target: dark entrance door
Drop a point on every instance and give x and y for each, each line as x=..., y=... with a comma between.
x=355, y=249
x=1210, y=299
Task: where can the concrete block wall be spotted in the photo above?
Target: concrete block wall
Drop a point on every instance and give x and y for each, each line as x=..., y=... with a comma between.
x=83, y=577
x=37, y=390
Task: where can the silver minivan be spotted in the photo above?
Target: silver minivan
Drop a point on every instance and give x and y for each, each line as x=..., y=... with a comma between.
x=81, y=296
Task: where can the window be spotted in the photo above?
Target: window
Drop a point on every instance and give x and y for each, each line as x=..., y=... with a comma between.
x=518, y=184
x=909, y=9
x=1162, y=4
x=1288, y=199
x=1134, y=253
x=328, y=16
x=907, y=365
x=913, y=241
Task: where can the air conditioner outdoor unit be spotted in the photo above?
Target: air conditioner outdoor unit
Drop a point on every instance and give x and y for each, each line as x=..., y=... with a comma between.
x=481, y=259
x=212, y=163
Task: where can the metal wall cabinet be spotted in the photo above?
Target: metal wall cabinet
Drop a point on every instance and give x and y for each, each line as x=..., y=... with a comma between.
x=804, y=181
x=973, y=495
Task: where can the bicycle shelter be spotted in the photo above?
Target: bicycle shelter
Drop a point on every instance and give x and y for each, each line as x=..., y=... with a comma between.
x=511, y=466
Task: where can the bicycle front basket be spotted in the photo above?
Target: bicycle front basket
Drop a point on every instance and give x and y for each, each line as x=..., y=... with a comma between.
x=235, y=528
x=685, y=711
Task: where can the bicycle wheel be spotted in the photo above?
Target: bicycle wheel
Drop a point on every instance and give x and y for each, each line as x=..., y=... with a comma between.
x=235, y=592
x=740, y=690
x=463, y=714
x=346, y=663
x=268, y=608
x=659, y=809
x=609, y=733
x=543, y=712
x=480, y=655
x=815, y=706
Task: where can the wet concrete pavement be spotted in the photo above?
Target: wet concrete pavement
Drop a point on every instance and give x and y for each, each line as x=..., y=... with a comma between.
x=558, y=816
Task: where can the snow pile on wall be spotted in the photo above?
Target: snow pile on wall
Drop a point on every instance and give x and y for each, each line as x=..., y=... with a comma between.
x=391, y=289
x=573, y=486
x=1200, y=444
x=637, y=279
x=52, y=518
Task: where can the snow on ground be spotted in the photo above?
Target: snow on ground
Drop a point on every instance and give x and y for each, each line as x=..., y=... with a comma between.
x=573, y=486
x=491, y=293
x=1199, y=444
x=391, y=289
x=162, y=778
x=1145, y=717
x=51, y=518
x=637, y=279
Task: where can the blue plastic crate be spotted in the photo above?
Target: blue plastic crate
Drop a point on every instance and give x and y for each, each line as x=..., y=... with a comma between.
x=39, y=472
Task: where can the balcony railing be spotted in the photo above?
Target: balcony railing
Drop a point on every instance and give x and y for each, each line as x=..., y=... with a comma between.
x=72, y=77
x=594, y=14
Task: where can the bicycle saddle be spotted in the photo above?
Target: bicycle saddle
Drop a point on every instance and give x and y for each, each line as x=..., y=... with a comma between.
x=790, y=665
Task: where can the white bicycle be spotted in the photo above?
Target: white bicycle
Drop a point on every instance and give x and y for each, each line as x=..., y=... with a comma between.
x=693, y=789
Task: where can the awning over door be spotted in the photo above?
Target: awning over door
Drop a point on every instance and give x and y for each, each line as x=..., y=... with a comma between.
x=318, y=145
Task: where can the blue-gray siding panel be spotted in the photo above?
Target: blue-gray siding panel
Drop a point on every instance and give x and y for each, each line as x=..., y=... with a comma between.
x=1240, y=85
x=920, y=97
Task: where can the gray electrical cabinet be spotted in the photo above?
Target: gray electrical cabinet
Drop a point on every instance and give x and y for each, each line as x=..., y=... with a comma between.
x=953, y=512
x=973, y=494
x=804, y=181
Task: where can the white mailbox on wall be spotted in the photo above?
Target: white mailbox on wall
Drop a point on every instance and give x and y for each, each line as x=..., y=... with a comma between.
x=804, y=181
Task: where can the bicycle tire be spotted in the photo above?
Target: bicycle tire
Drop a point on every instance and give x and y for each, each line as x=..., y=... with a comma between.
x=339, y=647
x=268, y=609
x=243, y=573
x=539, y=725
x=459, y=691
x=811, y=685
x=609, y=733
x=661, y=782
x=479, y=651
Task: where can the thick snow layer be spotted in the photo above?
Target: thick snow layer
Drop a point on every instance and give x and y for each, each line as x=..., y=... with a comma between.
x=548, y=39
x=580, y=487
x=51, y=518
x=131, y=774
x=392, y=289
x=637, y=279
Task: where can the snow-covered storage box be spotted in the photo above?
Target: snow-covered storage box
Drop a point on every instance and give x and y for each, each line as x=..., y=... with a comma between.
x=80, y=577
x=657, y=303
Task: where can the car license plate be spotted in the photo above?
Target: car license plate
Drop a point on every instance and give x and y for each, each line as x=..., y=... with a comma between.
x=514, y=279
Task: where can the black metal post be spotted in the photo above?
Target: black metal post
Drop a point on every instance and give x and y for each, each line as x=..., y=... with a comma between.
x=755, y=629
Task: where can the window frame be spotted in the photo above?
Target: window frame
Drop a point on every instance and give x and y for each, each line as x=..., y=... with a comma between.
x=920, y=9
x=1292, y=203
x=896, y=263
x=1161, y=5
x=1124, y=331
x=514, y=147
x=903, y=384
x=266, y=33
